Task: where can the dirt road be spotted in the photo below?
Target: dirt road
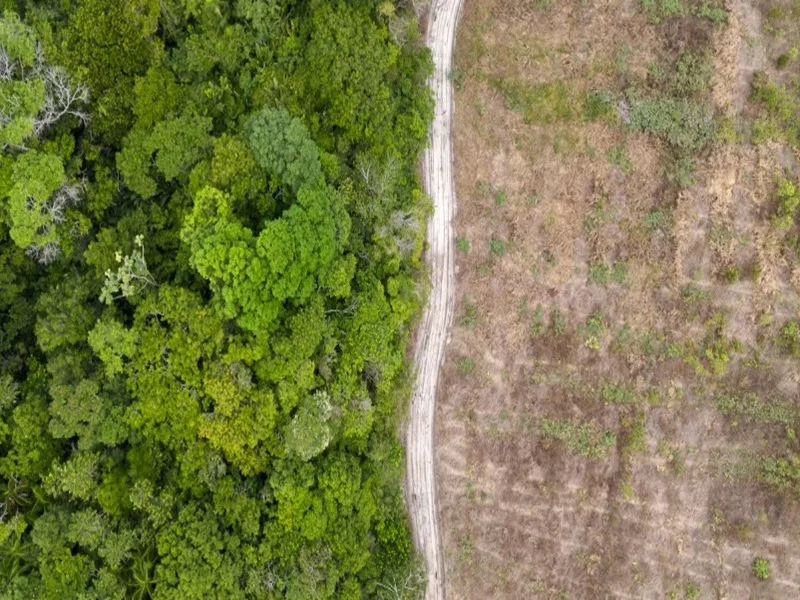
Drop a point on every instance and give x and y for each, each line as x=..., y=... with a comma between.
x=429, y=353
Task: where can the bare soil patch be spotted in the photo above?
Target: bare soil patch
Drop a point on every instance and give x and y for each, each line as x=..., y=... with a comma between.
x=615, y=381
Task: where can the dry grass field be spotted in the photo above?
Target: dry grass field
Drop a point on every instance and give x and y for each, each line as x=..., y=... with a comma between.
x=619, y=411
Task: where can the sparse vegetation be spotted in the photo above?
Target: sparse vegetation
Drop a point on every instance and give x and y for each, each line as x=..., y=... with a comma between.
x=650, y=371
x=584, y=439
x=543, y=103
x=497, y=247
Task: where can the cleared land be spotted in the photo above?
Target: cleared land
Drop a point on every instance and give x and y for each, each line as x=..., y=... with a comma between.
x=619, y=404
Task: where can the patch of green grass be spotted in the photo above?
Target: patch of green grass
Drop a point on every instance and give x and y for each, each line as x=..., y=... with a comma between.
x=466, y=549
x=542, y=104
x=658, y=10
x=658, y=219
x=585, y=439
x=673, y=456
x=713, y=12
x=558, y=324
x=598, y=105
x=692, y=293
x=691, y=590
x=595, y=328
x=462, y=244
x=635, y=434
x=621, y=60
x=616, y=393
x=500, y=197
x=597, y=217
x=466, y=365
x=602, y=274
x=618, y=156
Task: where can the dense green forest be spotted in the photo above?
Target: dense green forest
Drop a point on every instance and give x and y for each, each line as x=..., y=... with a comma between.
x=210, y=240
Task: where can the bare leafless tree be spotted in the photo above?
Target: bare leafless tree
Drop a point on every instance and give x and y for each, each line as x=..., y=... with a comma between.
x=61, y=98
x=44, y=254
x=6, y=65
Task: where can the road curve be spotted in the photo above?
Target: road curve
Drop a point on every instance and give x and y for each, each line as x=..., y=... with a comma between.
x=433, y=330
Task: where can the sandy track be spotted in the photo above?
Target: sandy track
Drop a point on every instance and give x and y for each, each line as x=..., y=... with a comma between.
x=433, y=331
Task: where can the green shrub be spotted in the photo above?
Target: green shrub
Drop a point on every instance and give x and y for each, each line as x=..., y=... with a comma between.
x=691, y=591
x=500, y=197
x=497, y=247
x=781, y=106
x=470, y=315
x=462, y=244
x=691, y=293
x=599, y=273
x=537, y=322
x=692, y=74
x=637, y=436
x=685, y=125
x=761, y=568
x=595, y=329
x=783, y=60
x=681, y=171
x=752, y=408
x=789, y=338
x=558, y=324
x=788, y=201
x=731, y=275
x=597, y=217
x=466, y=365
x=782, y=473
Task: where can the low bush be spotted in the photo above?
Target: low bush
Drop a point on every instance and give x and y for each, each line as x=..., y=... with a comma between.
x=752, y=408
x=497, y=247
x=788, y=202
x=761, y=568
x=789, y=338
x=692, y=74
x=685, y=125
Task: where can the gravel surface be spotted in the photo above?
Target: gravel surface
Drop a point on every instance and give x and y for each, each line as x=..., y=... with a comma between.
x=433, y=331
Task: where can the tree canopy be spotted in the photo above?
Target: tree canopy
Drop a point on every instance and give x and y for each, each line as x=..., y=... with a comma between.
x=209, y=263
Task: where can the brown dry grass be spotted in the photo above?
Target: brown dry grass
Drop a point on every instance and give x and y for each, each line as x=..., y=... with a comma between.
x=522, y=516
